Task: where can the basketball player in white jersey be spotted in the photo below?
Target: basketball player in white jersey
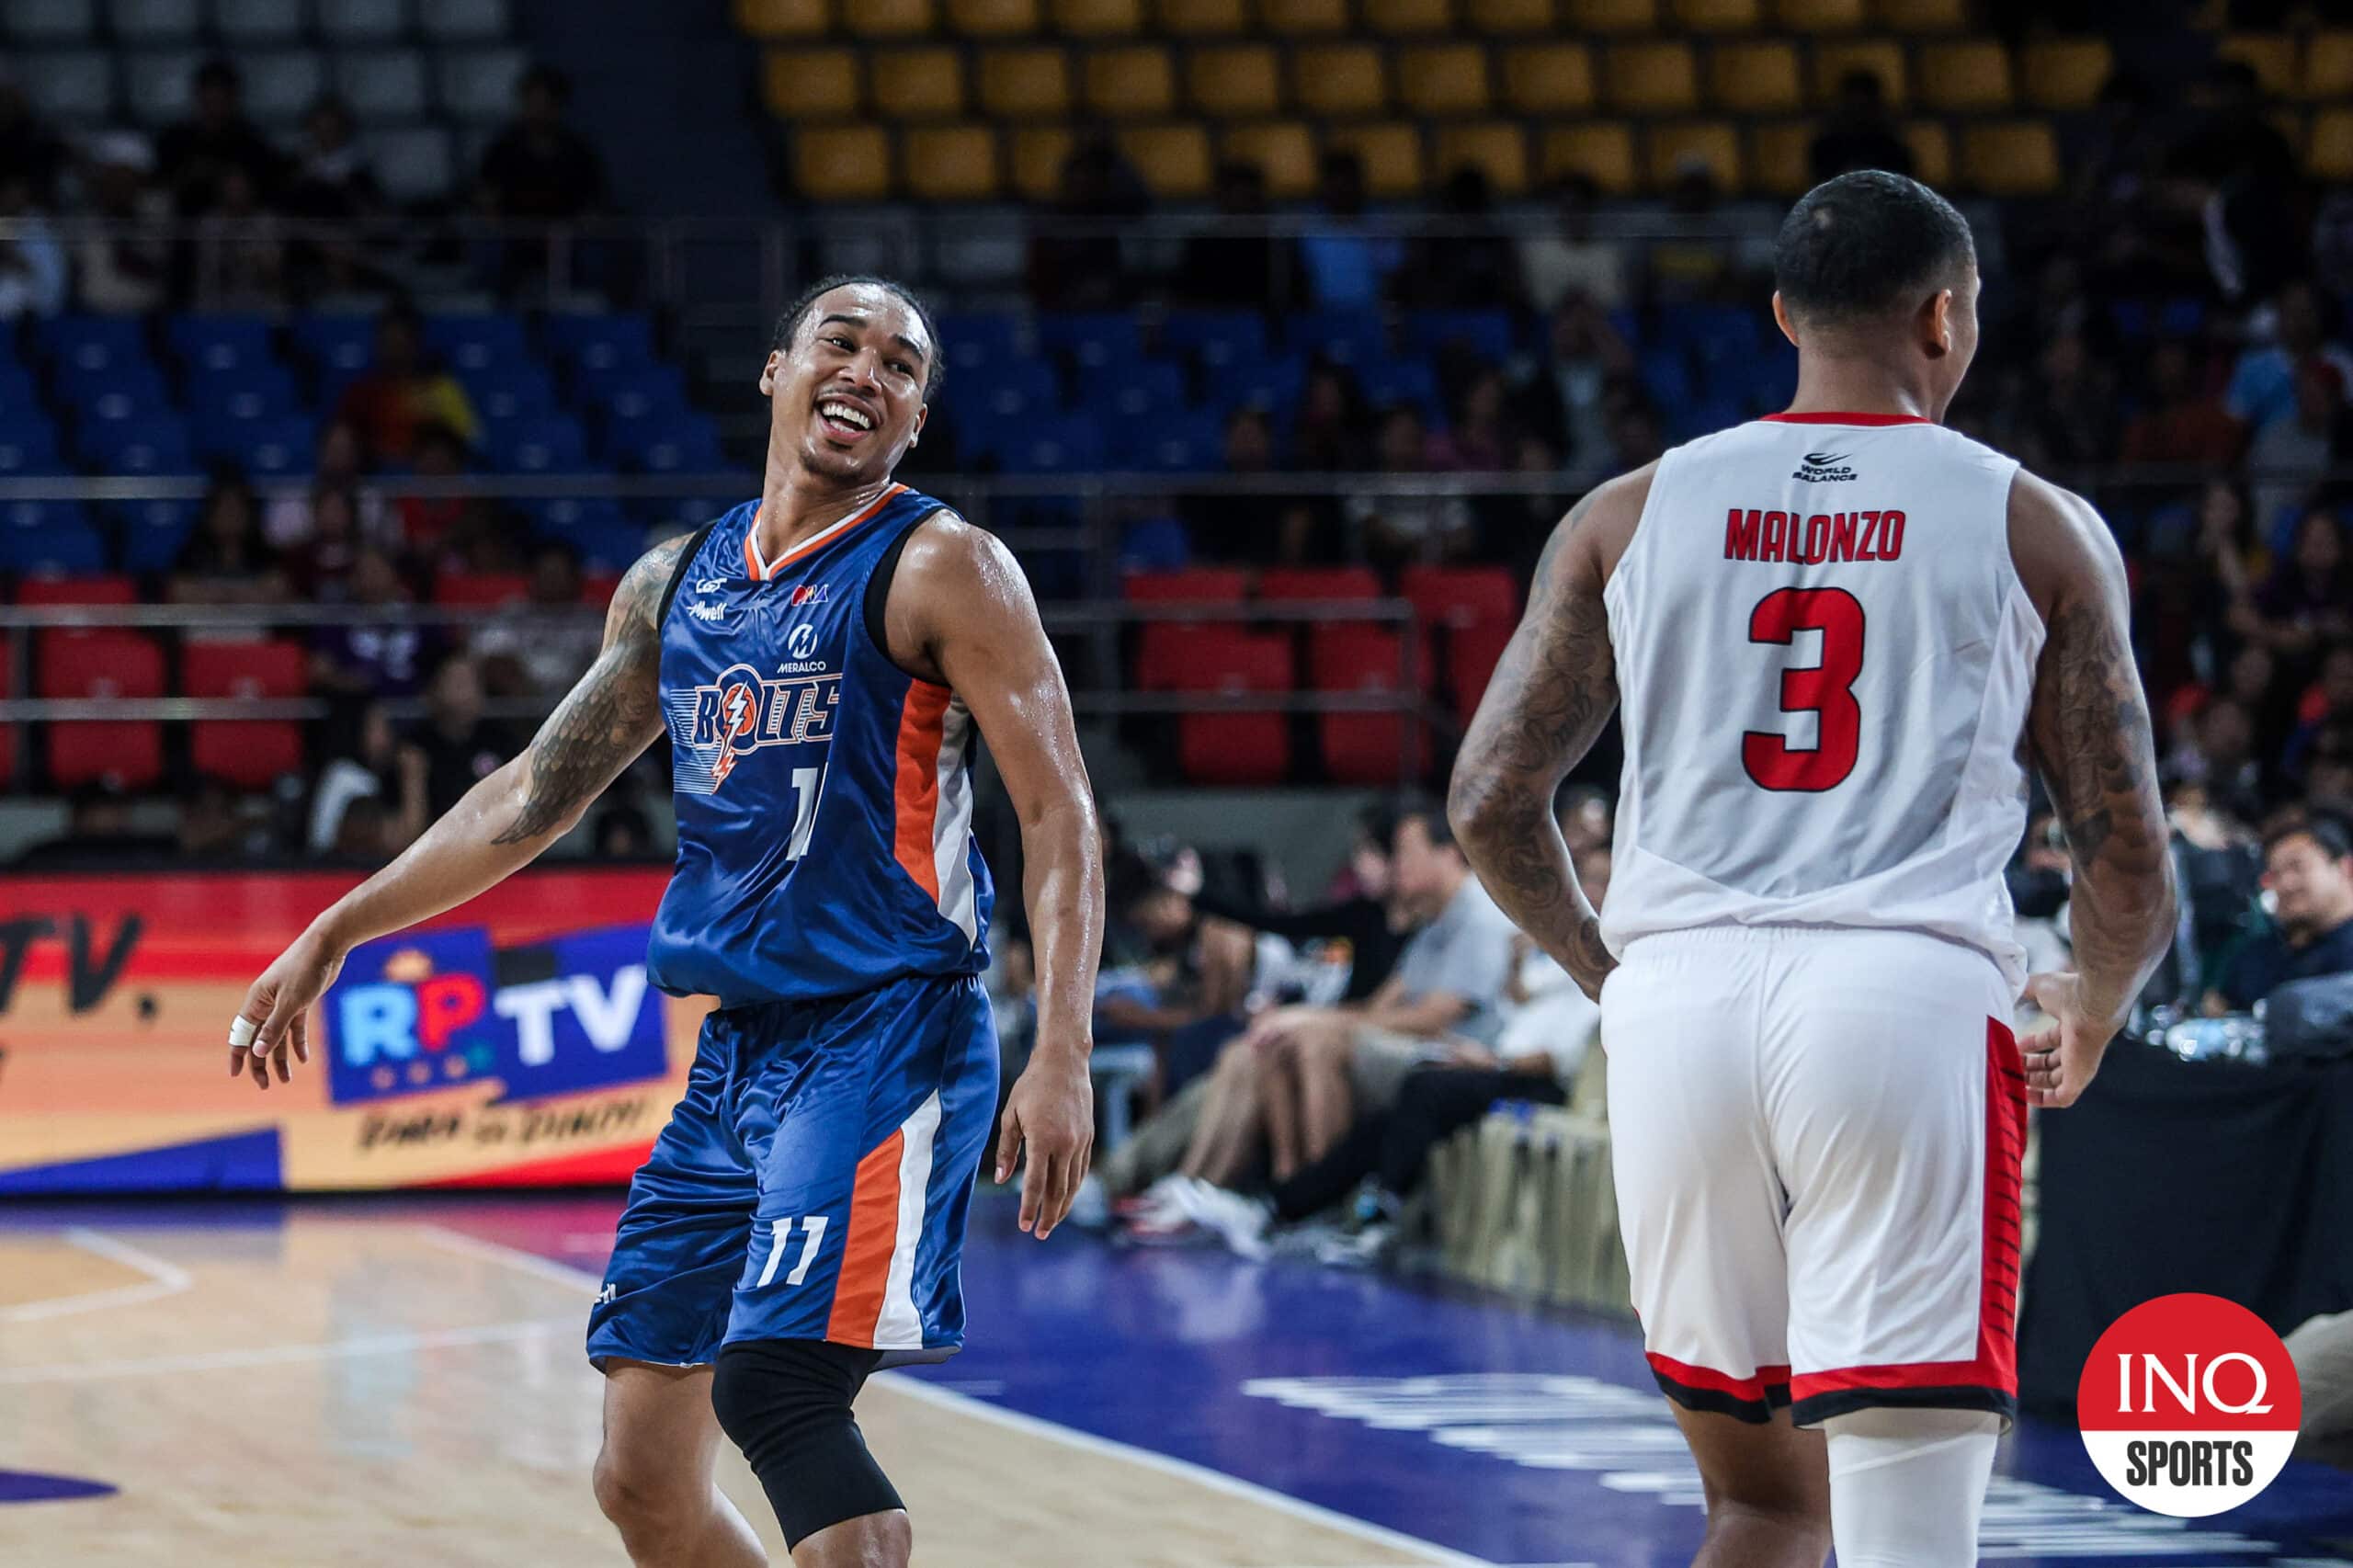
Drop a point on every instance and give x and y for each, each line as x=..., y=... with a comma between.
x=1836, y=636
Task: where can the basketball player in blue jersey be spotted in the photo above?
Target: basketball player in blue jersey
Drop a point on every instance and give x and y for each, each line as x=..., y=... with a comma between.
x=821, y=658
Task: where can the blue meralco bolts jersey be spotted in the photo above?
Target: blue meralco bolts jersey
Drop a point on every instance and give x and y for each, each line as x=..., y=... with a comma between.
x=824, y=795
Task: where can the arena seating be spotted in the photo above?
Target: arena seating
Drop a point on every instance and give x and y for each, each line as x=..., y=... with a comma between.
x=1423, y=87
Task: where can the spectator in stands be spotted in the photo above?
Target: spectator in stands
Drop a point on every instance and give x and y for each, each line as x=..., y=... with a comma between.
x=2328, y=706
x=1231, y=261
x=225, y=559
x=240, y=249
x=333, y=179
x=2069, y=418
x=319, y=568
x=397, y=396
x=1330, y=434
x=453, y=533
x=2263, y=384
x=1461, y=262
x=2308, y=868
x=1394, y=529
x=197, y=155
x=1098, y=192
x=1859, y=133
x=1360, y=925
x=1479, y=438
x=2217, y=751
x=534, y=656
x=2307, y=600
x=1569, y=261
x=335, y=465
x=33, y=272
x=461, y=747
x=2181, y=421
x=1347, y=267
x=1260, y=527
x=371, y=766
x=1566, y=395
x=2288, y=457
x=624, y=832
x=539, y=168
x=100, y=834
x=2251, y=201
x=122, y=268
x=372, y=658
x=27, y=147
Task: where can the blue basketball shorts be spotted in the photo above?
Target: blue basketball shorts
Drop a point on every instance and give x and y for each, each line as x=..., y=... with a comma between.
x=813, y=1181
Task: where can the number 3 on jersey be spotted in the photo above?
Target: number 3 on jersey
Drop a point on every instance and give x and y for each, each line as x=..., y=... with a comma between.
x=1827, y=690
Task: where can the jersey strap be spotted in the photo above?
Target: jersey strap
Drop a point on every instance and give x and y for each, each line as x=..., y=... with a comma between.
x=678, y=571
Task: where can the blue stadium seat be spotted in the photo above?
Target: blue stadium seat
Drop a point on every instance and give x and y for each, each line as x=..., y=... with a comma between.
x=1016, y=389
x=1488, y=334
x=654, y=389
x=273, y=448
x=1666, y=376
x=598, y=386
x=538, y=446
x=610, y=547
x=42, y=515
x=568, y=514
x=1142, y=397
x=70, y=551
x=343, y=342
x=1092, y=340
x=17, y=389
x=248, y=391
x=477, y=342
x=1271, y=384
x=1191, y=443
x=91, y=340
x=975, y=341
x=28, y=444
x=1067, y=444
x=680, y=443
x=153, y=532
x=1403, y=381
x=506, y=392
x=149, y=444
x=220, y=343
x=1346, y=338
x=597, y=341
x=135, y=382
x=1217, y=339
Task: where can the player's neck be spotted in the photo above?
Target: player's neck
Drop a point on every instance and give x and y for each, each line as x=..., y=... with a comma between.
x=796, y=505
x=1845, y=386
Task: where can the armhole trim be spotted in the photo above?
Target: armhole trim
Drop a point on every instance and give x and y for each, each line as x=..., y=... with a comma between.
x=678, y=573
x=878, y=593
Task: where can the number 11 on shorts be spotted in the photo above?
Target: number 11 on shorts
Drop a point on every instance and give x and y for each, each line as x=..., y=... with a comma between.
x=814, y=1229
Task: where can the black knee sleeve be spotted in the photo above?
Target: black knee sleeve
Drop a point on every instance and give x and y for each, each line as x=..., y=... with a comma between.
x=785, y=1403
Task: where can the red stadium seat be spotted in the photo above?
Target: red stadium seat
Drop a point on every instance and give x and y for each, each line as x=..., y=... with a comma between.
x=129, y=756
x=597, y=588
x=486, y=589
x=250, y=753
x=101, y=664
x=1362, y=748
x=1460, y=596
x=1235, y=748
x=1471, y=655
x=1318, y=583
x=1160, y=645
x=77, y=591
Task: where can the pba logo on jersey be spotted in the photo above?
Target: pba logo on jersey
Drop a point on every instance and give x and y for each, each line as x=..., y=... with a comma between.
x=1824, y=468
x=432, y=1010
x=715, y=725
x=2189, y=1405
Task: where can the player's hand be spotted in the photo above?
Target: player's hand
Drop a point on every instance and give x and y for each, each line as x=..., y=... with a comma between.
x=275, y=1019
x=2062, y=1060
x=1052, y=1110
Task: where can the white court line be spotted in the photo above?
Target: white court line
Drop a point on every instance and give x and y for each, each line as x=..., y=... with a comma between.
x=280, y=1355
x=1216, y=1481
x=162, y=1280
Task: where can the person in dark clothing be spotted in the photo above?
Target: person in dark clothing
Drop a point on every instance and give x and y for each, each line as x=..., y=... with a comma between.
x=1858, y=134
x=2308, y=867
x=1234, y=263
x=461, y=747
x=1084, y=271
x=1361, y=918
x=28, y=148
x=1451, y=270
x=539, y=167
x=1393, y=1147
x=197, y=155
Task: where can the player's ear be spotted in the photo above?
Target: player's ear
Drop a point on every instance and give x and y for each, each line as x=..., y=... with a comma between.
x=1782, y=319
x=768, y=373
x=1936, y=323
x=922, y=415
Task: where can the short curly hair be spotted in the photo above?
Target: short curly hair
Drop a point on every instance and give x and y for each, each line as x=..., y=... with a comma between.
x=1862, y=245
x=787, y=326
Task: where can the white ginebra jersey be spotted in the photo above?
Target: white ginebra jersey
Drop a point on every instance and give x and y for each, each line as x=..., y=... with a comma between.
x=1824, y=660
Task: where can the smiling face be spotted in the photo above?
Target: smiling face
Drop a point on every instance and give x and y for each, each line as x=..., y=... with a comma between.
x=845, y=395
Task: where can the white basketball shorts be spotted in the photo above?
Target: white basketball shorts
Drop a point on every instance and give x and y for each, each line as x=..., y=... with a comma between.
x=1817, y=1136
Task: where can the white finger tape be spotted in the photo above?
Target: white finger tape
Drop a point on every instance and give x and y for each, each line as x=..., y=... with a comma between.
x=241, y=1033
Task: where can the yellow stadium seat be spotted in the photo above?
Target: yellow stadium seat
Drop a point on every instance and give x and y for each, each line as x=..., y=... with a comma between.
x=1924, y=16
x=2331, y=155
x=1202, y=18
x=1507, y=18
x=1284, y=151
x=993, y=18
x=1025, y=83
x=1777, y=155
x=2273, y=55
x=1293, y=16
x=1497, y=151
x=2064, y=73
x=1548, y=78
x=1613, y=16
x=1718, y=16
x=1340, y=79
x=842, y=162
x=916, y=84
x=1602, y=150
x=1819, y=16
x=1931, y=146
x=782, y=19
x=1751, y=77
x=1409, y=18
x=811, y=83
x=1974, y=75
x=2328, y=66
x=1098, y=19
x=1235, y=81
x=1712, y=141
x=890, y=18
x=1650, y=77
x=1132, y=84
x=2016, y=158
x=1392, y=156
x=951, y=163
x=1039, y=154
x=1884, y=60
x=1444, y=79
x=1173, y=159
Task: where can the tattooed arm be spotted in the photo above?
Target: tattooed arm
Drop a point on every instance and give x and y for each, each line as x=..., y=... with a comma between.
x=500, y=826
x=1554, y=689
x=2089, y=729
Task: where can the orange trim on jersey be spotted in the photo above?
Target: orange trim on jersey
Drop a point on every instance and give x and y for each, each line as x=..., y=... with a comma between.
x=873, y=1237
x=921, y=723
x=751, y=555
x=824, y=537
